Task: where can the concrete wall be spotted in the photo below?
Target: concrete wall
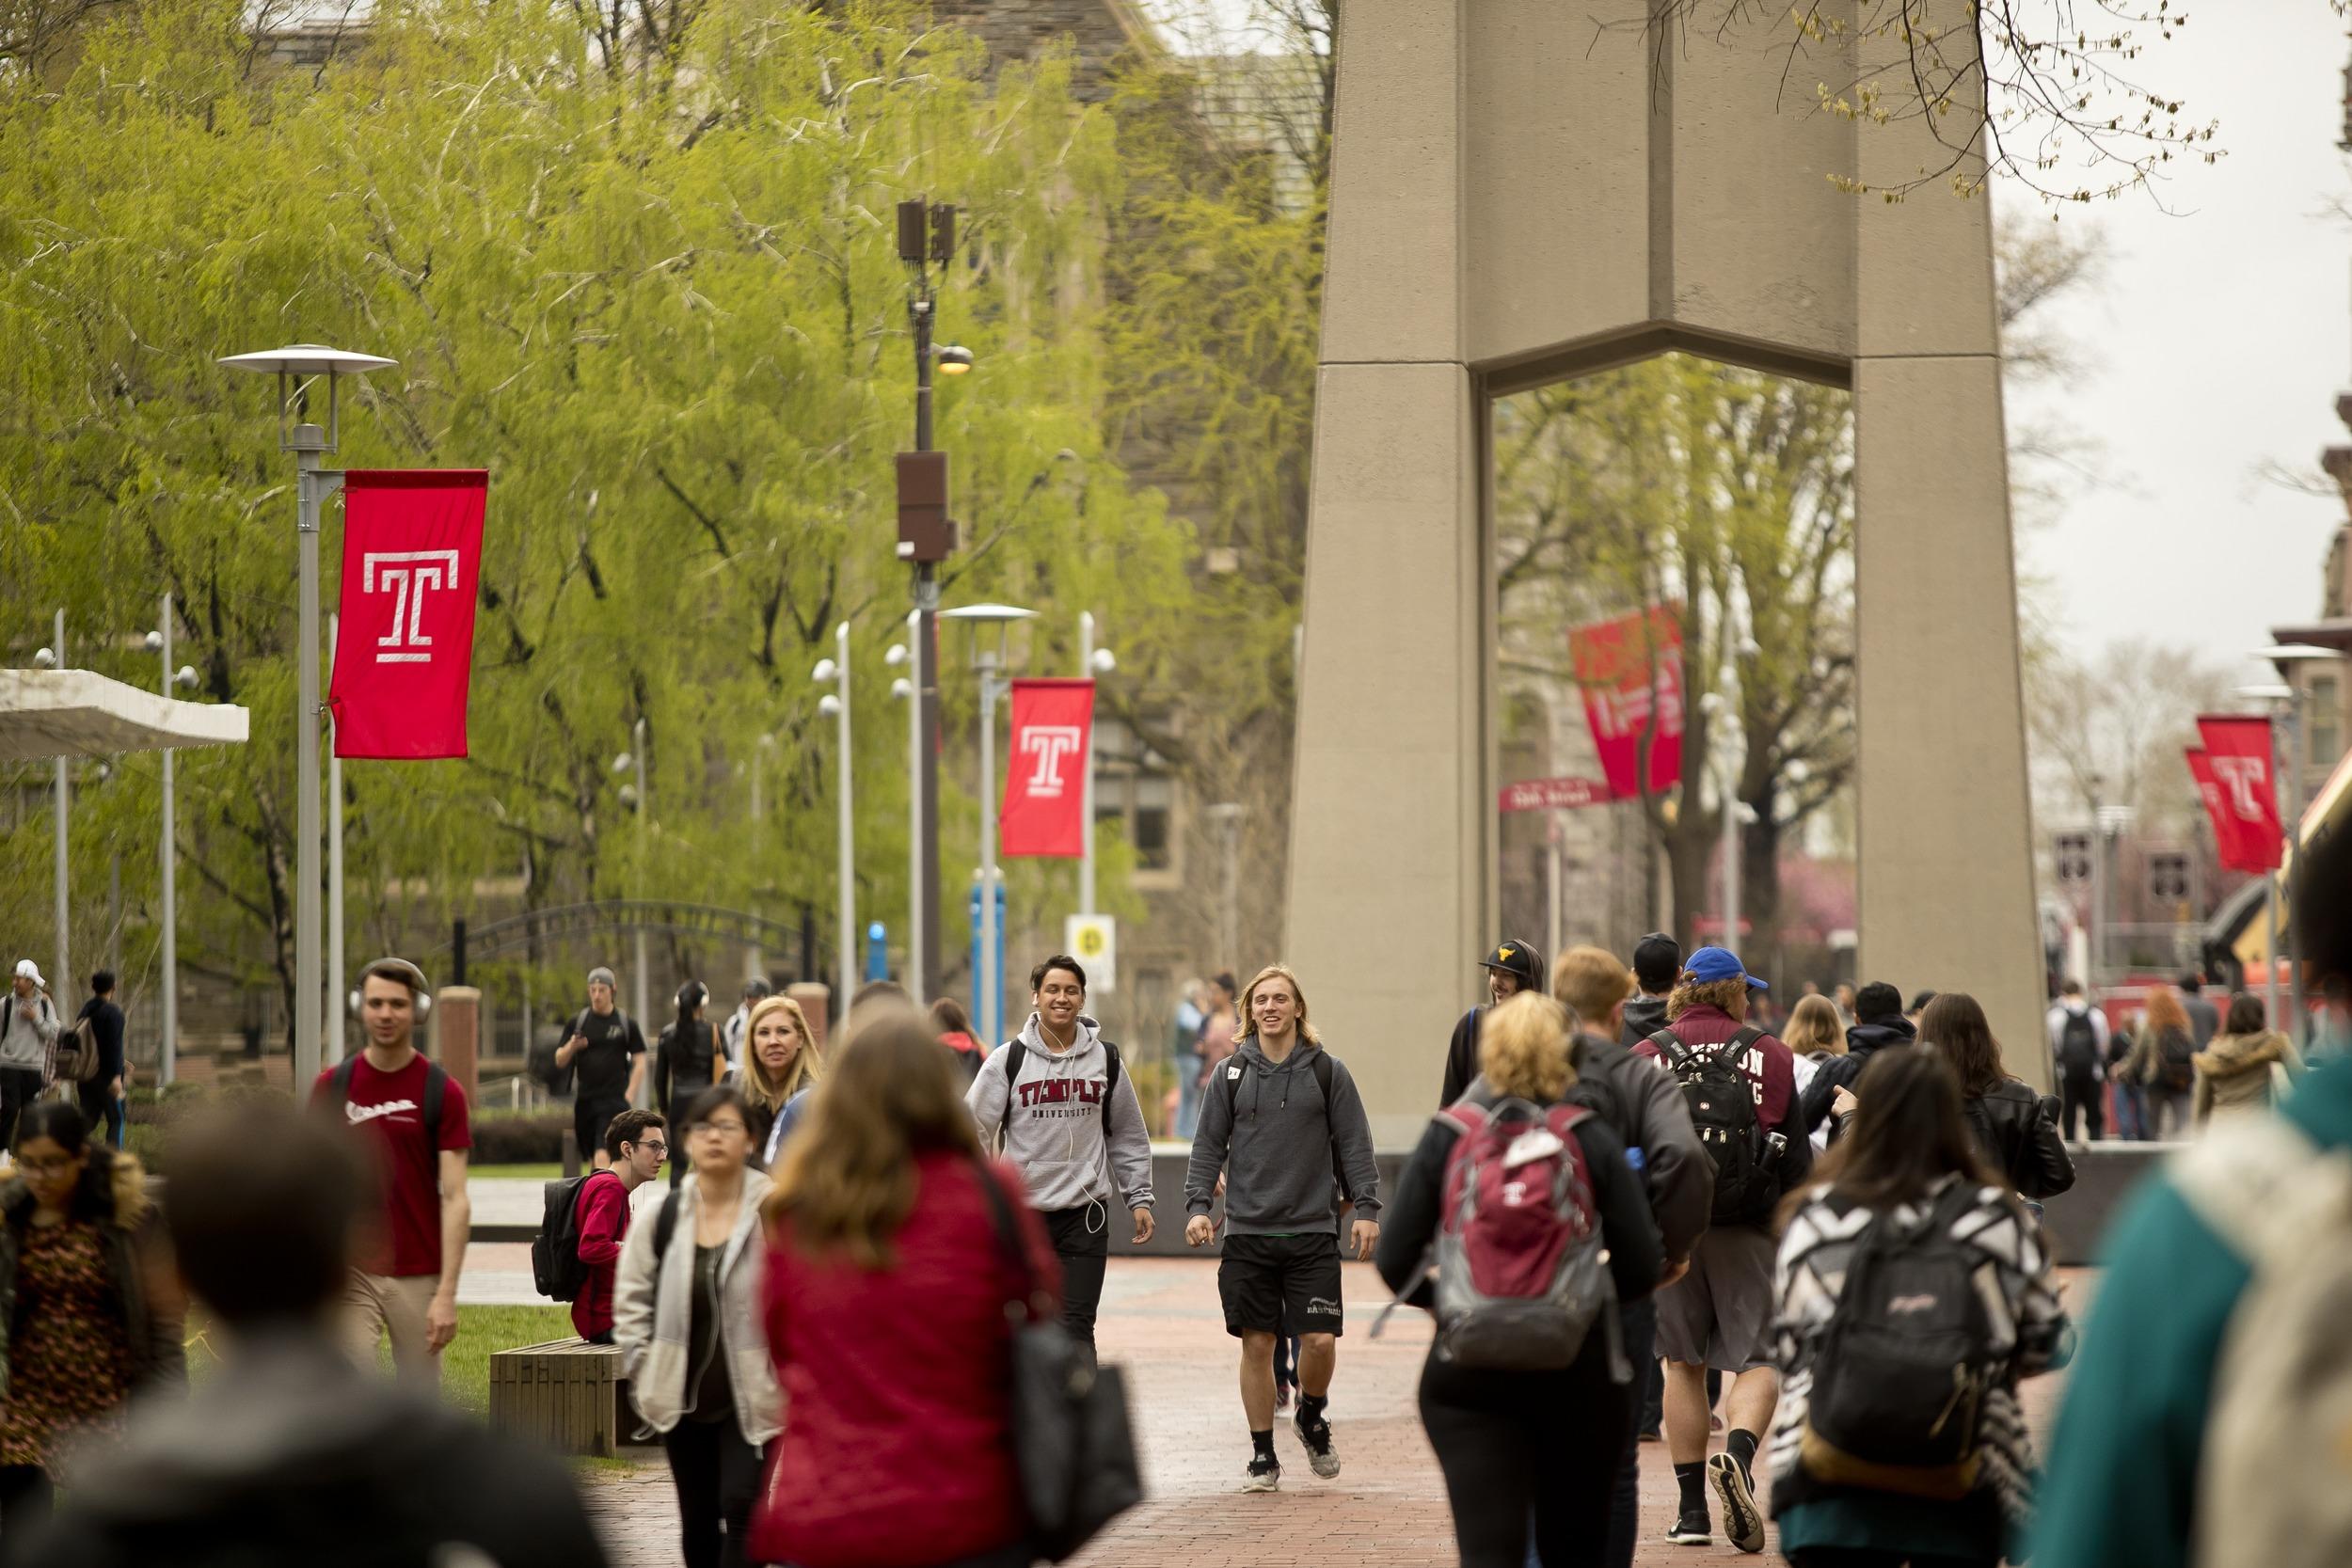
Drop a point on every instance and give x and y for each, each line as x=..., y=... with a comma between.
x=1518, y=195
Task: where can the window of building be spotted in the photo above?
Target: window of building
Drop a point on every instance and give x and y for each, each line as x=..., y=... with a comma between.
x=2323, y=710
x=1135, y=792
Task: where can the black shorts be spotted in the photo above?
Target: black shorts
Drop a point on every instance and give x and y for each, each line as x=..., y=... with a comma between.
x=1280, y=1284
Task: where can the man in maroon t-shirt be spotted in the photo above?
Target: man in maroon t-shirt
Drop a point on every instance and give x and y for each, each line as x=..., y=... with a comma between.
x=1719, y=1314
x=412, y=1120
x=636, y=1142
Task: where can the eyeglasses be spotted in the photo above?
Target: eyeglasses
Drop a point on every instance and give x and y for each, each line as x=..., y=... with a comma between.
x=730, y=1125
x=656, y=1145
x=59, y=1166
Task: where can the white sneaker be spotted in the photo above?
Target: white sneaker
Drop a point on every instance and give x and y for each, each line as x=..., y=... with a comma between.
x=1264, y=1475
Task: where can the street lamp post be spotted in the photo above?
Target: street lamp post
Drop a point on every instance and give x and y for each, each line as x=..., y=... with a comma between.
x=331, y=1040
x=988, y=984
x=902, y=690
x=296, y=368
x=65, y=811
x=636, y=798
x=836, y=706
x=1093, y=663
x=168, y=1064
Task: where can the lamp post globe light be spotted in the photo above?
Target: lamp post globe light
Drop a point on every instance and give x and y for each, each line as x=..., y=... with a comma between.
x=902, y=690
x=297, y=368
x=836, y=706
x=988, y=659
x=1093, y=663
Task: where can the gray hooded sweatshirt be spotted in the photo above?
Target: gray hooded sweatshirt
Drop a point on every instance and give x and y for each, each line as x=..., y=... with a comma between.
x=1267, y=1127
x=1056, y=1132
x=25, y=1042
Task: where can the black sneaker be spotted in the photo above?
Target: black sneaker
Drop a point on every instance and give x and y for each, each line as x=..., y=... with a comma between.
x=1316, y=1436
x=1691, y=1530
x=1264, y=1475
x=1742, y=1524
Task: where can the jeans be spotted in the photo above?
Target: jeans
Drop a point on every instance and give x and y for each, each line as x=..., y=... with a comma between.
x=19, y=1087
x=101, y=1108
x=2078, y=1097
x=1187, y=1094
x=718, y=1480
x=2131, y=1112
x=1082, y=1241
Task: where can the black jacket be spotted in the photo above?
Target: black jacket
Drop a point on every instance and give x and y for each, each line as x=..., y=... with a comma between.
x=1645, y=1015
x=106, y=1029
x=1862, y=1041
x=289, y=1457
x=682, y=1070
x=1461, y=1057
x=2023, y=1144
x=1410, y=1223
x=129, y=1230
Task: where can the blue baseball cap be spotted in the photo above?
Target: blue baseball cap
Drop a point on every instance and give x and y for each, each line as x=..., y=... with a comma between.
x=1709, y=964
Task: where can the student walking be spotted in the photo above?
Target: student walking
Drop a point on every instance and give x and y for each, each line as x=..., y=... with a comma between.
x=2165, y=1060
x=79, y=1329
x=736, y=1030
x=685, y=1059
x=2079, y=1044
x=1645, y=1109
x=1879, y=1022
x=1219, y=1030
x=412, y=1118
x=780, y=1064
x=686, y=1316
x=2016, y=1129
x=1283, y=1121
x=887, y=1287
x=1740, y=1085
x=636, y=1144
x=28, y=1033
x=1523, y=1441
x=101, y=1096
x=1513, y=967
x=606, y=1057
x=1813, y=1036
x=1057, y=1099
x=954, y=1027
x=1876, y=1461
x=2248, y=1066
x=1657, y=965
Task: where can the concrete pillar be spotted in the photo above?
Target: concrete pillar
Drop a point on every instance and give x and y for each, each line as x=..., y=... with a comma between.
x=457, y=1037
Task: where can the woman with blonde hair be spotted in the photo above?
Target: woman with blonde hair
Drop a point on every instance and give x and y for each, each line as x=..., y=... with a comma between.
x=1519, y=1448
x=889, y=1274
x=781, y=1063
x=1814, y=1036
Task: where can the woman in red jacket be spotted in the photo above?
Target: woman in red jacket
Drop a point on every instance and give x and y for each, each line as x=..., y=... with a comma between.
x=885, y=1311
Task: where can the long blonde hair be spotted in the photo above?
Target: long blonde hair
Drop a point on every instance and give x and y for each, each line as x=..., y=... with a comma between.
x=1814, y=1026
x=848, y=1181
x=806, y=1067
x=1246, y=1029
x=1523, y=1048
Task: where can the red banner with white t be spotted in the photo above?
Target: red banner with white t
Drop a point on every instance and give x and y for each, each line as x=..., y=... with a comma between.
x=1630, y=672
x=2239, y=757
x=403, y=651
x=1045, y=812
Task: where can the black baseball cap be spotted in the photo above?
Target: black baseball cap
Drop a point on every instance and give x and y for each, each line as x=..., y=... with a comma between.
x=1517, y=958
x=1657, y=962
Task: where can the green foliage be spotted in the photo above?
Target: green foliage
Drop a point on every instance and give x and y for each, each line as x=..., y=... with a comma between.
x=647, y=277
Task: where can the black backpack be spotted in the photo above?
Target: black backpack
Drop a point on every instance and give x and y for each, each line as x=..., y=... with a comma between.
x=1722, y=1112
x=1900, y=1374
x=555, y=1266
x=2078, y=1046
x=1016, y=1053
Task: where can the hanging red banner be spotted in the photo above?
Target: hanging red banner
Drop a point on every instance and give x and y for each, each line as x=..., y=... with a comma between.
x=1053, y=727
x=1630, y=670
x=2217, y=813
x=2238, y=754
x=404, y=654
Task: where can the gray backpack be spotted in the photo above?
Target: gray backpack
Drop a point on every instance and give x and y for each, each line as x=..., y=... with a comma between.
x=2269, y=1488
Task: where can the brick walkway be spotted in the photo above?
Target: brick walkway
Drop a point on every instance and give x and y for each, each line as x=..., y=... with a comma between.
x=1386, y=1509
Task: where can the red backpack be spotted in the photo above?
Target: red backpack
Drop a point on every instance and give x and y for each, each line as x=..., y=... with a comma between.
x=1522, y=1272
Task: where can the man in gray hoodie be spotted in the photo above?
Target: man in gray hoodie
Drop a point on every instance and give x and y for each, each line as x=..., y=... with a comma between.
x=28, y=1032
x=1283, y=1122
x=1059, y=1101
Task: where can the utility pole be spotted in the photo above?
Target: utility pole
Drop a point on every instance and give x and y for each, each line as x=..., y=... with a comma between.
x=331, y=1037
x=61, y=982
x=167, y=1058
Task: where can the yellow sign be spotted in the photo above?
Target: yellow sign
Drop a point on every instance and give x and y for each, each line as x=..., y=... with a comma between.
x=1093, y=941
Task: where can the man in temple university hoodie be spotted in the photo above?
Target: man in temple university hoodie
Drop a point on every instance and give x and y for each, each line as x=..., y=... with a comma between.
x=1282, y=1119
x=1060, y=1100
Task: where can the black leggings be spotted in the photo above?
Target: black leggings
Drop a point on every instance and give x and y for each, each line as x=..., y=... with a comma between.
x=27, y=1499
x=718, y=1480
x=1082, y=1240
x=1515, y=1443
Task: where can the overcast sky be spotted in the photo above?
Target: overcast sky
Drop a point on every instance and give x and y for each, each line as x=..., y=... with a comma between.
x=2223, y=335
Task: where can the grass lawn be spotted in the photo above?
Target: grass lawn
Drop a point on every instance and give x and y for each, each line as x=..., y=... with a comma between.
x=546, y=1172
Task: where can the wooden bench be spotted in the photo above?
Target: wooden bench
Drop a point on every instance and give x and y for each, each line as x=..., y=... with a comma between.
x=567, y=1394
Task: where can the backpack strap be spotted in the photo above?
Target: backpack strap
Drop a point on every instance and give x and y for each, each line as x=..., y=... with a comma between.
x=664, y=1224
x=435, y=1091
x=339, y=1081
x=1110, y=1085
x=1015, y=1053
